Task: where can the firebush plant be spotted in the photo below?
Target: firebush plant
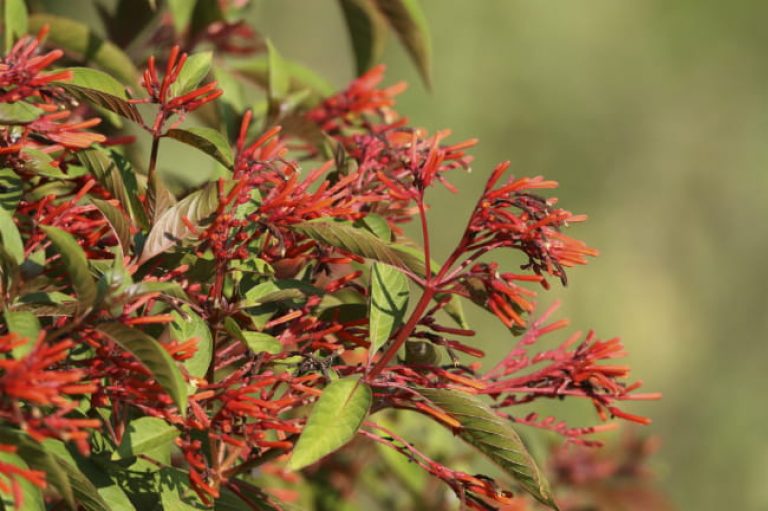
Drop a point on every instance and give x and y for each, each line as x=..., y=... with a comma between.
x=218, y=345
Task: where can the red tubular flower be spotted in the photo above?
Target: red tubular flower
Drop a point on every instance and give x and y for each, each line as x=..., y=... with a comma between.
x=20, y=70
x=159, y=90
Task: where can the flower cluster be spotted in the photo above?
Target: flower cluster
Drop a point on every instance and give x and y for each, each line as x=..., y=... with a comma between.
x=217, y=318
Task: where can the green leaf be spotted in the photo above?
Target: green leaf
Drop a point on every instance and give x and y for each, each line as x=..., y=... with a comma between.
x=232, y=102
x=88, y=78
x=153, y=356
x=279, y=77
x=84, y=477
x=359, y=242
x=19, y=112
x=31, y=495
x=377, y=225
x=389, y=302
x=196, y=68
x=181, y=13
x=366, y=31
x=76, y=265
x=120, y=224
x=38, y=458
x=259, y=342
x=169, y=229
x=188, y=325
x=334, y=420
x=25, y=325
x=256, y=70
x=175, y=491
x=100, y=89
x=81, y=42
x=145, y=434
x=407, y=19
x=493, y=436
x=207, y=140
x=15, y=16
x=113, y=172
x=41, y=163
x=11, y=189
x=10, y=237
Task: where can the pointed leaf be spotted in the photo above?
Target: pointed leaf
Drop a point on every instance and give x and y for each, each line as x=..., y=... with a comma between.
x=389, y=302
x=191, y=326
x=153, y=356
x=207, y=140
x=407, y=19
x=80, y=41
x=360, y=242
x=301, y=77
x=366, y=31
x=81, y=472
x=279, y=78
x=259, y=342
x=76, y=265
x=196, y=68
x=113, y=172
x=493, y=436
x=170, y=229
x=10, y=237
x=335, y=418
x=100, y=89
x=15, y=17
x=30, y=495
x=25, y=325
x=145, y=434
x=11, y=189
x=38, y=458
x=19, y=112
x=120, y=224
x=181, y=13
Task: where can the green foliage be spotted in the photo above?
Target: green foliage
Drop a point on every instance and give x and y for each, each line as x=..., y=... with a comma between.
x=334, y=420
x=389, y=302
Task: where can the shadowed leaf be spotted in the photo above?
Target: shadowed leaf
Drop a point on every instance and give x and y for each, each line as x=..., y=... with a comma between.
x=207, y=140
x=366, y=32
x=153, y=356
x=76, y=264
x=407, y=19
x=389, y=302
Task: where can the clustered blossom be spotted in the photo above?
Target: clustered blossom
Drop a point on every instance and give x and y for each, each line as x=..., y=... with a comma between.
x=246, y=408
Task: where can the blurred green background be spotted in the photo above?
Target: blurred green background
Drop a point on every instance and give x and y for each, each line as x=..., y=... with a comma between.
x=653, y=116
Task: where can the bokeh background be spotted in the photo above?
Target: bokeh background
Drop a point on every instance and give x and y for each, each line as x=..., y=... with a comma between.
x=653, y=116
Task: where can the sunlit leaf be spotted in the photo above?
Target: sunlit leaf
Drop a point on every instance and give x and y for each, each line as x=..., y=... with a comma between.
x=196, y=68
x=15, y=21
x=493, y=436
x=153, y=356
x=300, y=77
x=90, y=484
x=389, y=302
x=170, y=229
x=31, y=496
x=100, y=89
x=81, y=42
x=10, y=237
x=366, y=31
x=76, y=264
x=146, y=434
x=334, y=420
x=207, y=140
x=38, y=458
x=19, y=112
x=259, y=342
x=25, y=325
x=188, y=325
x=407, y=19
x=359, y=242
